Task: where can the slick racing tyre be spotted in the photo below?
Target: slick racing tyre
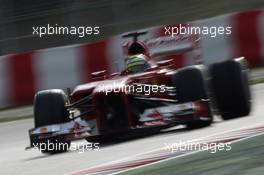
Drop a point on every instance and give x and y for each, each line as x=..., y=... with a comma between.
x=191, y=85
x=230, y=87
x=49, y=108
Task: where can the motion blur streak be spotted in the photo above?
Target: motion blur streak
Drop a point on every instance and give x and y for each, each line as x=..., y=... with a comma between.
x=248, y=42
x=94, y=58
x=14, y=140
x=22, y=80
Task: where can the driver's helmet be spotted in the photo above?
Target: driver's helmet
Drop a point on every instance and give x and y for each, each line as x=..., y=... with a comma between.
x=137, y=60
x=137, y=63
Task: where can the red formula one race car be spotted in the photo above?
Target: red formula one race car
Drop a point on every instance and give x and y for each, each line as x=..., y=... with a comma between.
x=143, y=96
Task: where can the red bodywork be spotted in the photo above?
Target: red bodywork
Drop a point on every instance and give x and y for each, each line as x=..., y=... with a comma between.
x=94, y=112
x=154, y=76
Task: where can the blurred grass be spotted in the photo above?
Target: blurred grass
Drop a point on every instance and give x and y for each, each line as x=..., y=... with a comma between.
x=245, y=157
x=9, y=119
x=257, y=75
x=257, y=81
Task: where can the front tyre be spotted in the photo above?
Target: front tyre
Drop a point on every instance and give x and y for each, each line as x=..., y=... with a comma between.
x=191, y=85
x=49, y=108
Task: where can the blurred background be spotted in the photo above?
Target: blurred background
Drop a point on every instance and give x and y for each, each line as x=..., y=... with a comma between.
x=113, y=16
x=29, y=63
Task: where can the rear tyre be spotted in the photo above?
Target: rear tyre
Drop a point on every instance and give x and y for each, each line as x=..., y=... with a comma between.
x=49, y=108
x=191, y=85
x=231, y=88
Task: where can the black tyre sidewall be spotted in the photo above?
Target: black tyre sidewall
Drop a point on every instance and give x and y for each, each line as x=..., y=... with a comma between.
x=49, y=108
x=191, y=85
x=231, y=88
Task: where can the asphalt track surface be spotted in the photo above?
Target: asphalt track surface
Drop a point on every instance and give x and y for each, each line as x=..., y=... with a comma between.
x=14, y=138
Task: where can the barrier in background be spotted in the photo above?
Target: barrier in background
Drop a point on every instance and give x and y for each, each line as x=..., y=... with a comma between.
x=21, y=75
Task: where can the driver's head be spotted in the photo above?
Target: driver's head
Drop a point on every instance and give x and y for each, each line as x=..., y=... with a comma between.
x=137, y=63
